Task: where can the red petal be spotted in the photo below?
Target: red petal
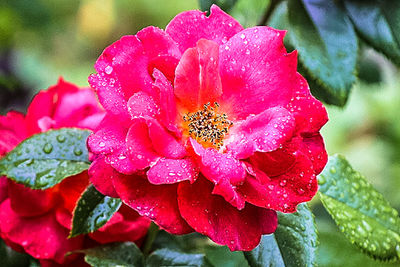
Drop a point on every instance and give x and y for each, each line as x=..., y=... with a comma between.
x=168, y=112
x=73, y=108
x=309, y=113
x=252, y=64
x=262, y=133
x=101, y=175
x=71, y=188
x=190, y=26
x=197, y=78
x=139, y=145
x=284, y=192
x=313, y=146
x=40, y=201
x=129, y=226
x=279, y=161
x=141, y=104
x=163, y=142
x=3, y=188
x=126, y=62
x=211, y=215
x=12, y=131
x=156, y=202
x=157, y=42
x=40, y=236
x=170, y=171
x=110, y=140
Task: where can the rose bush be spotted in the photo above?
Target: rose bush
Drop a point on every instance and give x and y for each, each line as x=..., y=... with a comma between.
x=209, y=128
x=38, y=221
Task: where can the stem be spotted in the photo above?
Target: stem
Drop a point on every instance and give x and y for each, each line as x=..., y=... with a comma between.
x=268, y=12
x=151, y=236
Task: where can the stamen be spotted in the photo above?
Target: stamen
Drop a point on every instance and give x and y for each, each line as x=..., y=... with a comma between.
x=207, y=126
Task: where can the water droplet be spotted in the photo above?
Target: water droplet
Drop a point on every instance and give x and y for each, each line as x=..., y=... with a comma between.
x=108, y=69
x=47, y=148
x=78, y=151
x=332, y=170
x=321, y=180
x=60, y=138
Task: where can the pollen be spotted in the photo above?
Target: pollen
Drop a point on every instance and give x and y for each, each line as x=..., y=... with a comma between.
x=207, y=126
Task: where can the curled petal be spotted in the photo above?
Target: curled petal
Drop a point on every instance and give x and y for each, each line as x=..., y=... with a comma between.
x=309, y=113
x=197, y=78
x=262, y=133
x=168, y=112
x=313, y=146
x=219, y=167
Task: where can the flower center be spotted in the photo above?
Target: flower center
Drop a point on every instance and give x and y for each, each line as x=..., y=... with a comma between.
x=207, y=126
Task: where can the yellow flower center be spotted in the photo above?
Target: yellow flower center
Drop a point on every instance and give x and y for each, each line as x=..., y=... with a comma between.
x=207, y=126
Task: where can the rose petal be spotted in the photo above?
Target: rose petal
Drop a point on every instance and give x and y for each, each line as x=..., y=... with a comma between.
x=156, y=202
x=284, y=192
x=126, y=62
x=40, y=236
x=190, y=26
x=141, y=104
x=75, y=107
x=223, y=223
x=313, y=146
x=197, y=78
x=163, y=142
x=139, y=145
x=252, y=64
x=170, y=171
x=101, y=175
x=260, y=133
x=219, y=167
x=168, y=112
x=12, y=131
x=40, y=201
x=309, y=113
x=125, y=225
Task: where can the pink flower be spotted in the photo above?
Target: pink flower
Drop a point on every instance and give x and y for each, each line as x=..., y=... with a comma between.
x=209, y=127
x=38, y=221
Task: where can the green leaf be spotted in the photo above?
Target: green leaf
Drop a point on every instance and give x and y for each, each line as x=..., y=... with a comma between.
x=373, y=25
x=294, y=242
x=267, y=253
x=222, y=256
x=45, y=159
x=93, y=211
x=118, y=254
x=327, y=46
x=223, y=4
x=297, y=237
x=168, y=257
x=361, y=213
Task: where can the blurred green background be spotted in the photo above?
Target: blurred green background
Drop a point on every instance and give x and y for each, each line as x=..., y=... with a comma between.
x=41, y=40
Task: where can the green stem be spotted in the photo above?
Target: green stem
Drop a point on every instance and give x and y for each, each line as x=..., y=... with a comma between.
x=151, y=236
x=268, y=12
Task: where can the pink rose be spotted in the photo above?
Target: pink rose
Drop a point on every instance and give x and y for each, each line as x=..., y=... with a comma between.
x=209, y=128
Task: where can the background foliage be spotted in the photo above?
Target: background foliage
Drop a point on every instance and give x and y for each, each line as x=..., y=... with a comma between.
x=41, y=39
